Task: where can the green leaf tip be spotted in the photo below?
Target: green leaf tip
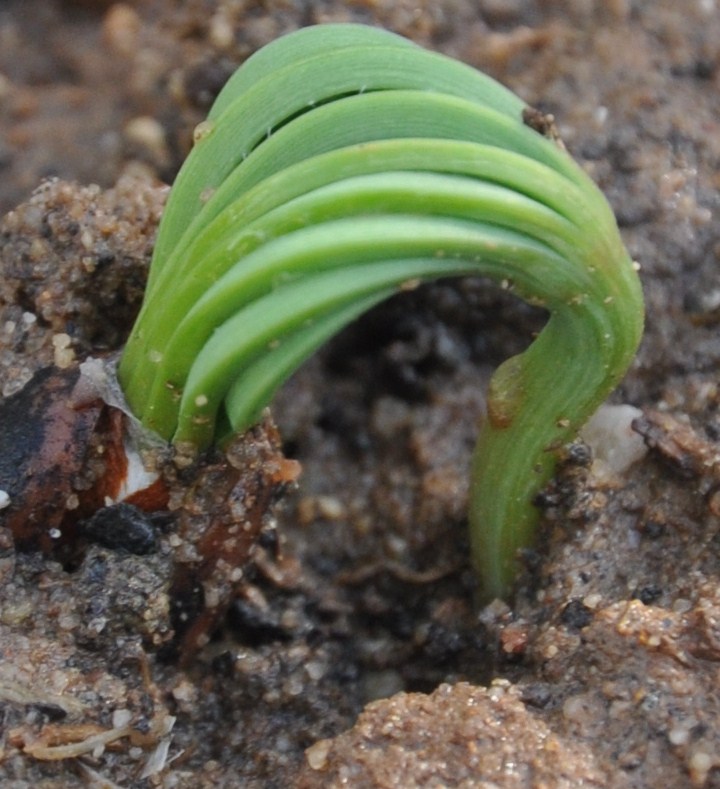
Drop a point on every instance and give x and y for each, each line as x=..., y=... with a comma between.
x=338, y=164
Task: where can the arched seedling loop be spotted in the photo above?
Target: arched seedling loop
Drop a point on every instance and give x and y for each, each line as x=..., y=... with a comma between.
x=339, y=166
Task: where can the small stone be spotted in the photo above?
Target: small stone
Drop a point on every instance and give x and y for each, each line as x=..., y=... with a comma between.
x=121, y=27
x=149, y=134
x=317, y=754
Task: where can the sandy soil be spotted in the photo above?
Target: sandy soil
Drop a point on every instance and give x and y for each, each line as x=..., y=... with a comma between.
x=356, y=657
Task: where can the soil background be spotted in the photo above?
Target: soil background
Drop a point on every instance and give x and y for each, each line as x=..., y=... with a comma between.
x=605, y=671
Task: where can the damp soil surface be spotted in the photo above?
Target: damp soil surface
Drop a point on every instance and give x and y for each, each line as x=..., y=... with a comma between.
x=353, y=653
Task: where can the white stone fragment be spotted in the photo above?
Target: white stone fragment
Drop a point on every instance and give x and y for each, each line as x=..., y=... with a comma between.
x=615, y=445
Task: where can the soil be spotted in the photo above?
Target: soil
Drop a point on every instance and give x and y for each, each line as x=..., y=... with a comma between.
x=353, y=654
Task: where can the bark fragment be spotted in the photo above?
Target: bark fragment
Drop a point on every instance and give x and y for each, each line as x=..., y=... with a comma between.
x=221, y=513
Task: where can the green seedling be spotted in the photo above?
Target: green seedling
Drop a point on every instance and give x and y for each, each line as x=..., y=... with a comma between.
x=340, y=165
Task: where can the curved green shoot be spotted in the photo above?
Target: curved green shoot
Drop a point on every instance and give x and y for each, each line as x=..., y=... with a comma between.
x=340, y=165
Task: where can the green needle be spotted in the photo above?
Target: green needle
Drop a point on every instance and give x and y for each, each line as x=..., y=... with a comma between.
x=338, y=166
